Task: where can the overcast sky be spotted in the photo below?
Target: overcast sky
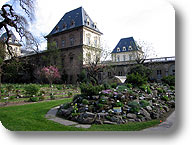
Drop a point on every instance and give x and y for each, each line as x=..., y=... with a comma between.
x=152, y=21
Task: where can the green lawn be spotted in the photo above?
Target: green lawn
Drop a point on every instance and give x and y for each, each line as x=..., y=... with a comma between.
x=30, y=117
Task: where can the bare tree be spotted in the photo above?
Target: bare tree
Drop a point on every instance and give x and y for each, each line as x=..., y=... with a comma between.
x=146, y=50
x=16, y=15
x=93, y=63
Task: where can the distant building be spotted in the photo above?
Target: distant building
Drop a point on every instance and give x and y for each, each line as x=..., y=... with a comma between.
x=126, y=50
x=14, y=43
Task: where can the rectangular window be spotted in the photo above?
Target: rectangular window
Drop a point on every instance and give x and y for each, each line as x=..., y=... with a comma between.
x=88, y=40
x=124, y=58
x=159, y=74
x=63, y=43
x=72, y=41
x=95, y=42
x=71, y=59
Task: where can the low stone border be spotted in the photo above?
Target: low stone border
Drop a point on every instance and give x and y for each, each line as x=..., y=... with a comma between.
x=51, y=115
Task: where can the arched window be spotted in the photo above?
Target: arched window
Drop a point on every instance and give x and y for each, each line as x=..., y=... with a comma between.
x=118, y=49
x=124, y=48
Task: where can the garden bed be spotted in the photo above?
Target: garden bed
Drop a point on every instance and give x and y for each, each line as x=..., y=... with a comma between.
x=121, y=105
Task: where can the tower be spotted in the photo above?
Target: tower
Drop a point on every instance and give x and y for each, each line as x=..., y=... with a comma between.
x=78, y=37
x=126, y=50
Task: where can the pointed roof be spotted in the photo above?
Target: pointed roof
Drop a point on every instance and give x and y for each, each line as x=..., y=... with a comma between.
x=125, y=45
x=72, y=19
x=13, y=39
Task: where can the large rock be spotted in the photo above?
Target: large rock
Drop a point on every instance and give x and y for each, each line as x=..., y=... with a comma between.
x=109, y=122
x=145, y=113
x=148, y=108
x=132, y=116
x=65, y=112
x=166, y=108
x=86, y=118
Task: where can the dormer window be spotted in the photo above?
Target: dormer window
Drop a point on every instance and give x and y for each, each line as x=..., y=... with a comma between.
x=57, y=28
x=72, y=23
x=64, y=25
x=118, y=49
x=95, y=25
x=130, y=47
x=87, y=21
x=124, y=48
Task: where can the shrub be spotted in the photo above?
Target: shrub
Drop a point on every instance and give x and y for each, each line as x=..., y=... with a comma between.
x=34, y=99
x=129, y=85
x=143, y=87
x=142, y=70
x=102, y=100
x=85, y=102
x=136, y=79
x=9, y=87
x=31, y=90
x=42, y=98
x=12, y=97
x=149, y=90
x=135, y=107
x=65, y=105
x=106, y=86
x=118, y=104
x=160, y=90
x=170, y=80
x=52, y=97
x=122, y=88
x=69, y=94
x=100, y=106
x=2, y=91
x=165, y=98
x=172, y=87
x=114, y=85
x=144, y=103
x=90, y=90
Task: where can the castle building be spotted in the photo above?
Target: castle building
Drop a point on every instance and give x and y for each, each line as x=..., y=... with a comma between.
x=126, y=50
x=78, y=38
x=14, y=44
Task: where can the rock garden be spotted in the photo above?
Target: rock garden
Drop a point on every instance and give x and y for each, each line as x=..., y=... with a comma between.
x=119, y=104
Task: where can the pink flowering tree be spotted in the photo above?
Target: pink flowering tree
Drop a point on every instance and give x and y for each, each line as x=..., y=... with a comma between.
x=51, y=73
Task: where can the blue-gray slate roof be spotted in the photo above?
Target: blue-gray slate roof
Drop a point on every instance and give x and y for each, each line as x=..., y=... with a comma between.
x=13, y=38
x=127, y=43
x=72, y=19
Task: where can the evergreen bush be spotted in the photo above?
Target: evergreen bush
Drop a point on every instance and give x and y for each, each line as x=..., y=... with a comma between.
x=31, y=90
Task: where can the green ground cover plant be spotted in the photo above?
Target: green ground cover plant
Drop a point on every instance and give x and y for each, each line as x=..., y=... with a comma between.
x=31, y=117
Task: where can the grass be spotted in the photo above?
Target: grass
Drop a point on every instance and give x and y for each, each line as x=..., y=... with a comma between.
x=31, y=117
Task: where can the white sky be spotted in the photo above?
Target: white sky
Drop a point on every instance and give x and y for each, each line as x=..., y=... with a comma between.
x=152, y=21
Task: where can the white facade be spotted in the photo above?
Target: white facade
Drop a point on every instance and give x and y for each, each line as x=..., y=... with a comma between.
x=91, y=51
x=15, y=50
x=126, y=56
